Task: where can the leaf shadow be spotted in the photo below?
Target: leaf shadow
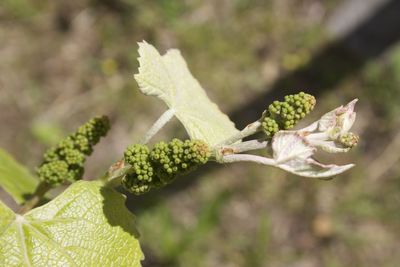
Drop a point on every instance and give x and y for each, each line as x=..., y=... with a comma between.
x=116, y=212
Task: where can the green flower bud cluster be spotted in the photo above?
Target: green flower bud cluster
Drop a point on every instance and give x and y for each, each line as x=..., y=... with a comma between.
x=178, y=157
x=349, y=140
x=141, y=175
x=161, y=165
x=285, y=115
x=64, y=162
x=269, y=126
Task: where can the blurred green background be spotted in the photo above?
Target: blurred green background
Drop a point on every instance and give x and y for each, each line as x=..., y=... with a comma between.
x=63, y=62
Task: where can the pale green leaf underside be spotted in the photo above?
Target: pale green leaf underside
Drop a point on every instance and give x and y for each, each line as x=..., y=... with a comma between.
x=294, y=154
x=87, y=225
x=15, y=179
x=168, y=78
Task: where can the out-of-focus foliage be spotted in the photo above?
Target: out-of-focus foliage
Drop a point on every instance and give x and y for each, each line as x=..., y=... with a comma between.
x=15, y=179
x=382, y=82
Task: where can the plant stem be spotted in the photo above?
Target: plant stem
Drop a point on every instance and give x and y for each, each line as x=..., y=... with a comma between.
x=248, y=158
x=40, y=191
x=239, y=148
x=250, y=129
x=158, y=125
x=247, y=146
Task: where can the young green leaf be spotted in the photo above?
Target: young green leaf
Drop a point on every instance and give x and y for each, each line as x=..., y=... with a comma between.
x=15, y=178
x=7, y=216
x=168, y=78
x=87, y=225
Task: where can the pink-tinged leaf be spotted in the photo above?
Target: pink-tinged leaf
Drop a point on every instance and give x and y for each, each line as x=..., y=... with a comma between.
x=312, y=168
x=293, y=153
x=339, y=120
x=327, y=121
x=289, y=145
x=326, y=133
x=349, y=116
x=329, y=146
x=310, y=128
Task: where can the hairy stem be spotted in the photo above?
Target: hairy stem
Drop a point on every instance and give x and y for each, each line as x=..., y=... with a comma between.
x=38, y=195
x=243, y=147
x=158, y=125
x=248, y=158
x=250, y=129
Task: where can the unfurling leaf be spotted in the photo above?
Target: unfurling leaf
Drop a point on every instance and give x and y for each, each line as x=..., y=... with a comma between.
x=288, y=145
x=87, y=225
x=293, y=153
x=331, y=131
x=168, y=78
x=311, y=168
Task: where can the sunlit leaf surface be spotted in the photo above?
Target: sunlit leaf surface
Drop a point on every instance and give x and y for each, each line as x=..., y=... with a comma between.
x=168, y=78
x=87, y=225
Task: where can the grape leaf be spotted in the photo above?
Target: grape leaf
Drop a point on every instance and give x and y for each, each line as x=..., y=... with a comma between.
x=313, y=169
x=6, y=217
x=288, y=145
x=15, y=178
x=325, y=133
x=168, y=78
x=293, y=153
x=87, y=225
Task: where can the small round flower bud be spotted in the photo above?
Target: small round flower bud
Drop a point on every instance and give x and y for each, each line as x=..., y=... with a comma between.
x=177, y=158
x=75, y=172
x=161, y=165
x=73, y=157
x=82, y=144
x=349, y=139
x=51, y=155
x=285, y=115
x=71, y=151
x=89, y=134
x=54, y=172
x=135, y=186
x=141, y=176
x=270, y=127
